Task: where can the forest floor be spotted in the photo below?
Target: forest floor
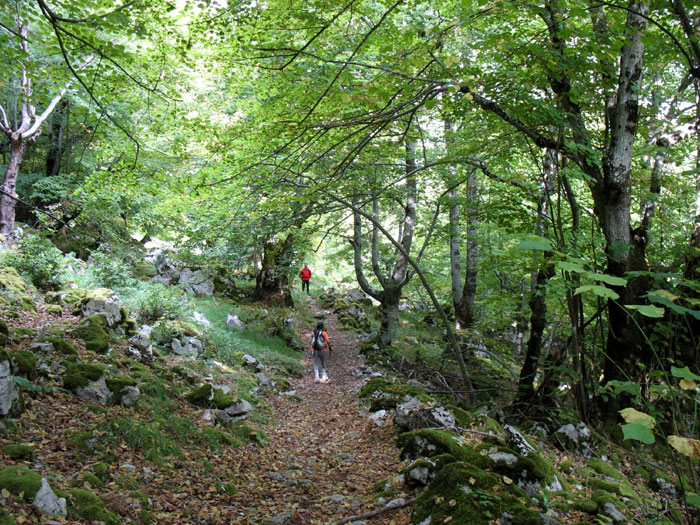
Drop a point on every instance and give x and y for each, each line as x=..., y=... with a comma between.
x=325, y=455
x=321, y=462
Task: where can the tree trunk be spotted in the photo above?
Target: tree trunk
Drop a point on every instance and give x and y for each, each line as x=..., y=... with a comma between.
x=626, y=347
x=464, y=311
x=272, y=281
x=8, y=197
x=538, y=297
x=389, y=313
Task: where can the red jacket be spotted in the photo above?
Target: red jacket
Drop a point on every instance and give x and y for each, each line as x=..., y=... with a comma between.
x=305, y=274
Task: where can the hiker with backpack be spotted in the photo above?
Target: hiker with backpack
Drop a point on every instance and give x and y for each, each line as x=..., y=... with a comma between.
x=305, y=275
x=320, y=351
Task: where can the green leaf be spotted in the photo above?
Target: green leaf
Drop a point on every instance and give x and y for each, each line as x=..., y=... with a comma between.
x=684, y=373
x=607, y=279
x=600, y=291
x=693, y=499
x=620, y=387
x=26, y=384
x=570, y=267
x=648, y=310
x=638, y=432
x=535, y=243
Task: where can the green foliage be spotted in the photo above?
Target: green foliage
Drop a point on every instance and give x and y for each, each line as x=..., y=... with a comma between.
x=153, y=302
x=110, y=270
x=39, y=260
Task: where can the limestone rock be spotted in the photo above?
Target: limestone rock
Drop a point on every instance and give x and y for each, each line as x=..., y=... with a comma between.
x=415, y=414
x=103, y=301
x=47, y=501
x=95, y=391
x=187, y=346
x=10, y=398
x=198, y=282
x=233, y=322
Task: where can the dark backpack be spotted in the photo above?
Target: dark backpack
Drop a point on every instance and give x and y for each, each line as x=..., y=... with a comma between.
x=318, y=342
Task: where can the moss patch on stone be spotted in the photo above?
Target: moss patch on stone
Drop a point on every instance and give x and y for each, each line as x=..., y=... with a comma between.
x=11, y=280
x=619, y=485
x=468, y=494
x=60, y=345
x=21, y=332
x=206, y=396
x=431, y=442
x=92, y=332
x=462, y=417
x=20, y=480
x=18, y=451
x=86, y=480
x=23, y=363
x=80, y=374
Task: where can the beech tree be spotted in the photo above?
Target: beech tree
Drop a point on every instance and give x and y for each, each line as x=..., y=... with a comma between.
x=22, y=132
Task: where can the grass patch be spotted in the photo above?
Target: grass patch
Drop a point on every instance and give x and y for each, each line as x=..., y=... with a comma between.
x=254, y=340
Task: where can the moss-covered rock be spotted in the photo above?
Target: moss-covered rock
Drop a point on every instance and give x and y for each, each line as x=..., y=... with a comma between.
x=60, y=345
x=81, y=374
x=3, y=327
x=117, y=384
x=83, y=441
x=92, y=332
x=463, y=493
x=206, y=396
x=616, y=482
x=20, y=480
x=23, y=363
x=166, y=330
x=428, y=443
x=87, y=506
x=54, y=309
x=385, y=395
x=20, y=332
x=26, y=303
x=11, y=280
x=605, y=501
x=423, y=470
x=462, y=417
x=18, y=451
x=86, y=480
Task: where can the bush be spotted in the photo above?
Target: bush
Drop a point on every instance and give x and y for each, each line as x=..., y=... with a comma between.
x=110, y=270
x=39, y=260
x=159, y=303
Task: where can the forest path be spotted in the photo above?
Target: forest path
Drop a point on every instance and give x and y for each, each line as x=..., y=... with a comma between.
x=324, y=455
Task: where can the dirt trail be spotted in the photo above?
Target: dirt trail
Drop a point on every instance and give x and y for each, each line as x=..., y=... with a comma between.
x=324, y=455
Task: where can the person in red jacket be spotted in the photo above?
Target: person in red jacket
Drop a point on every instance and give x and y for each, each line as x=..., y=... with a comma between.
x=305, y=275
